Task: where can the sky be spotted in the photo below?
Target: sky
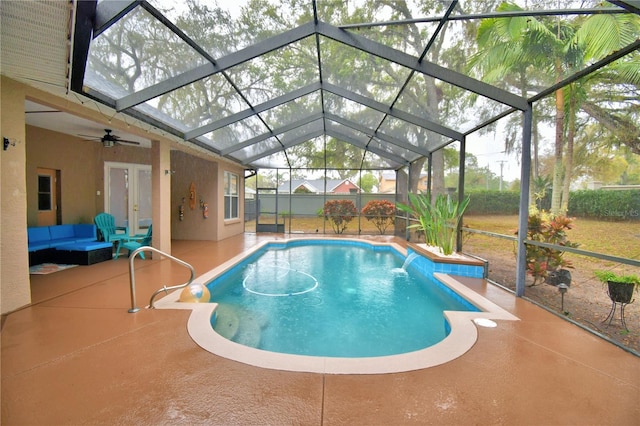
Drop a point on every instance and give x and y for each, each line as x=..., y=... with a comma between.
x=489, y=150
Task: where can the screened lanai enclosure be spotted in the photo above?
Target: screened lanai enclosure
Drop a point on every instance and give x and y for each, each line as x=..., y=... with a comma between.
x=371, y=100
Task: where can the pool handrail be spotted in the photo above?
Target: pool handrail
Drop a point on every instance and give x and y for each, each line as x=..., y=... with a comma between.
x=164, y=288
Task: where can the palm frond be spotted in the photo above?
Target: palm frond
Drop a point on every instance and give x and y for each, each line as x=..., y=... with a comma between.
x=628, y=71
x=601, y=34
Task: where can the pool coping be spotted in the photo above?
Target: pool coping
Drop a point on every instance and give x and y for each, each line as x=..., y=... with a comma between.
x=461, y=338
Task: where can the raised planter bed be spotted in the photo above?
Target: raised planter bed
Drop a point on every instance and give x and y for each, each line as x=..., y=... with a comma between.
x=455, y=264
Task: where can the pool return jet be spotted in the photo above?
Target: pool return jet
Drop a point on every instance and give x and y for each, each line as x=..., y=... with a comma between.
x=405, y=265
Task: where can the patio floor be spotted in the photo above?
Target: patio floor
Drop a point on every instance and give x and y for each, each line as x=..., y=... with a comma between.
x=76, y=356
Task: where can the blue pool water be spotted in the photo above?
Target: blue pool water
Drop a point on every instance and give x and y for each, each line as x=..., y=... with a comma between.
x=331, y=299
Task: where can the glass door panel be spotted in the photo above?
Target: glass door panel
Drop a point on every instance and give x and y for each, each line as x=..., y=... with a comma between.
x=128, y=195
x=117, y=200
x=143, y=208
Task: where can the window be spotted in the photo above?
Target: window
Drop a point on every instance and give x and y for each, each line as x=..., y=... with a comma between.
x=230, y=195
x=44, y=193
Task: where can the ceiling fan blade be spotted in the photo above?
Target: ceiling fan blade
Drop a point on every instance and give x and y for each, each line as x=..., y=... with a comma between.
x=118, y=140
x=108, y=139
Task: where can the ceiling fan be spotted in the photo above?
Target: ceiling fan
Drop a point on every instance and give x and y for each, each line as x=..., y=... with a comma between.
x=109, y=140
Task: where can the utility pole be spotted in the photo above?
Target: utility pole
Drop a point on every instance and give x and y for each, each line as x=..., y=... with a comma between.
x=501, y=168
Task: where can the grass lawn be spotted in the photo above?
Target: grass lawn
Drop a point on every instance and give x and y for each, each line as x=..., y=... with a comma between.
x=613, y=238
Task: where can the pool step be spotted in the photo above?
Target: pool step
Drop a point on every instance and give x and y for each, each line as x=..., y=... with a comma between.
x=240, y=325
x=227, y=321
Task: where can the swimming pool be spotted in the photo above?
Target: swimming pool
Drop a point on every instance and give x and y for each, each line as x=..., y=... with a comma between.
x=330, y=298
x=388, y=288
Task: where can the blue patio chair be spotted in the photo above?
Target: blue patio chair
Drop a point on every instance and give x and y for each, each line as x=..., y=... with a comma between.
x=111, y=233
x=136, y=242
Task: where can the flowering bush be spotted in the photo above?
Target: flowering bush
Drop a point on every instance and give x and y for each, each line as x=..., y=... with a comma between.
x=380, y=212
x=340, y=213
x=547, y=228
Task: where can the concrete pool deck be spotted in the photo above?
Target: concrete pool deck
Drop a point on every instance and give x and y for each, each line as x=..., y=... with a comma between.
x=461, y=338
x=76, y=356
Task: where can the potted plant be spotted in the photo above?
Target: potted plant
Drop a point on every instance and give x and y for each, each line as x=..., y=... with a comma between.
x=546, y=264
x=619, y=287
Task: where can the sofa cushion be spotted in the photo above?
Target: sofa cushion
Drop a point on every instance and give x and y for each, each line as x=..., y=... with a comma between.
x=60, y=232
x=39, y=234
x=62, y=241
x=85, y=232
x=85, y=246
x=39, y=246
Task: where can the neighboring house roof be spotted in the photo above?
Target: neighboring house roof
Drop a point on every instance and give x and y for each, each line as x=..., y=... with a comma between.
x=315, y=186
x=391, y=175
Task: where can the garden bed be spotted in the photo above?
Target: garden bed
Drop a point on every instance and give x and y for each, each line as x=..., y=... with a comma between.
x=586, y=301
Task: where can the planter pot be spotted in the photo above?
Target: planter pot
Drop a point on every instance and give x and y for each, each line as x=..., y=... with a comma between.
x=620, y=292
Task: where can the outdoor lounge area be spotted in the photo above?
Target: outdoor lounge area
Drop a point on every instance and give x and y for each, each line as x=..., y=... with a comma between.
x=76, y=356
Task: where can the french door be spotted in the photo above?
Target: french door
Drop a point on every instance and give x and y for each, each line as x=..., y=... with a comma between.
x=127, y=191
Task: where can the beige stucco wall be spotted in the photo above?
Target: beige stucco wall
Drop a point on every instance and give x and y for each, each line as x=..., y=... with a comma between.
x=52, y=150
x=203, y=174
x=208, y=177
x=15, y=290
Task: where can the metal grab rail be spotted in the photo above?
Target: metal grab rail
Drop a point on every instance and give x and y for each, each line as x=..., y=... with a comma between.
x=166, y=289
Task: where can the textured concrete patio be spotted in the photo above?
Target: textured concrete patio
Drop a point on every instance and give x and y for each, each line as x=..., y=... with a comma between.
x=76, y=356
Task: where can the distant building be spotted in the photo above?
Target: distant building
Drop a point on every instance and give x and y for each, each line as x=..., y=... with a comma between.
x=387, y=183
x=316, y=186
x=600, y=185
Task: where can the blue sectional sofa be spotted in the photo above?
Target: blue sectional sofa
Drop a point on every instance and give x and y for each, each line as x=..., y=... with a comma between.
x=44, y=240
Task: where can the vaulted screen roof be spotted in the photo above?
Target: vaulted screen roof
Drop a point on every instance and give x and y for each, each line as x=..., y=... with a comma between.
x=263, y=82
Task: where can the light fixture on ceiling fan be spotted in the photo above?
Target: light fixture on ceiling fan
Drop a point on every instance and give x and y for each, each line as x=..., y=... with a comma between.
x=109, y=140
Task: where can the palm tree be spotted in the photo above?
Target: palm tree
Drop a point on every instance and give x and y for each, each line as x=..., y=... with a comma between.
x=517, y=46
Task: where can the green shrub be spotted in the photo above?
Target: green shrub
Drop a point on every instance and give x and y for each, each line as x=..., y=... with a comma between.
x=599, y=204
x=493, y=202
x=608, y=205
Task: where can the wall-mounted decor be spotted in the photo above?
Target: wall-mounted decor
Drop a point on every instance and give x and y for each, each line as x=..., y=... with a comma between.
x=205, y=209
x=6, y=142
x=192, y=196
x=181, y=211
